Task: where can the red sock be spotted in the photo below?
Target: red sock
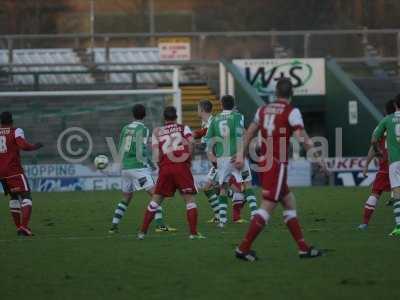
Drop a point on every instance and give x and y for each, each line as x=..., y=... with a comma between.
x=295, y=230
x=16, y=215
x=256, y=226
x=236, y=209
x=26, y=208
x=15, y=210
x=191, y=215
x=368, y=211
x=369, y=208
x=149, y=216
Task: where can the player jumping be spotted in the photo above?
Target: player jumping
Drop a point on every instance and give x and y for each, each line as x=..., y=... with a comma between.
x=172, y=146
x=391, y=126
x=277, y=122
x=136, y=169
x=381, y=182
x=12, y=177
x=224, y=141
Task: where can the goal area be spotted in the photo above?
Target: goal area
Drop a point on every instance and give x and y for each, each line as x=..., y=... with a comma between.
x=45, y=115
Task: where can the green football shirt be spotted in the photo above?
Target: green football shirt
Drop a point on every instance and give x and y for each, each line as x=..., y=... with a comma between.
x=225, y=133
x=391, y=125
x=133, y=146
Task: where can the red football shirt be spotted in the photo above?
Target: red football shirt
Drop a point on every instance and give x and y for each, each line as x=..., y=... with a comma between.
x=172, y=141
x=277, y=121
x=12, y=141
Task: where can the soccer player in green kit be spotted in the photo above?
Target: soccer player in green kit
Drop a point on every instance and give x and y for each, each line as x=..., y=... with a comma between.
x=391, y=126
x=224, y=141
x=136, y=167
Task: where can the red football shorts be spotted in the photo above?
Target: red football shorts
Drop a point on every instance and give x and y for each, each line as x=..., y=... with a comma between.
x=381, y=183
x=15, y=184
x=174, y=177
x=274, y=182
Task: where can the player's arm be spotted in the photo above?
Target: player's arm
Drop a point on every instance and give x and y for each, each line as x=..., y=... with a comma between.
x=239, y=135
x=23, y=144
x=147, y=148
x=199, y=133
x=377, y=135
x=155, y=147
x=370, y=156
x=249, y=134
x=301, y=135
x=188, y=135
x=209, y=138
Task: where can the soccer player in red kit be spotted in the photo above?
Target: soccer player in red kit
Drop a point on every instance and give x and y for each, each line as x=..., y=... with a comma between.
x=277, y=122
x=172, y=146
x=381, y=182
x=12, y=177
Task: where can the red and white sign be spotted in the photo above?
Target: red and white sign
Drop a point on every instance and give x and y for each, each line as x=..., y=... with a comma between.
x=174, y=49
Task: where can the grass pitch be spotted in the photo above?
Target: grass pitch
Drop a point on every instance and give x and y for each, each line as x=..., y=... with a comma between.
x=73, y=257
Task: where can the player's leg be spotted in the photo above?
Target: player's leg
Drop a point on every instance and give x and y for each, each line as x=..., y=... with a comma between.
x=120, y=210
x=127, y=186
x=18, y=185
x=257, y=224
x=165, y=187
x=237, y=205
x=381, y=184
x=224, y=173
x=271, y=183
x=244, y=176
x=223, y=205
x=396, y=210
x=211, y=191
x=292, y=223
x=236, y=189
x=151, y=211
x=184, y=182
x=192, y=216
x=15, y=209
x=369, y=208
x=159, y=217
x=250, y=198
x=26, y=213
x=14, y=204
x=394, y=175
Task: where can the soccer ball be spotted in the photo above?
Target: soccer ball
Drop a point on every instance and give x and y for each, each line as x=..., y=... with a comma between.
x=101, y=162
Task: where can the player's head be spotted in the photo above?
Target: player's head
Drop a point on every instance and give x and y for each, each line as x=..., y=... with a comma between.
x=228, y=102
x=139, y=111
x=389, y=107
x=397, y=102
x=284, y=88
x=204, y=107
x=6, y=118
x=170, y=114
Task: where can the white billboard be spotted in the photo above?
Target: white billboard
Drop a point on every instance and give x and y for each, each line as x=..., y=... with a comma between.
x=307, y=75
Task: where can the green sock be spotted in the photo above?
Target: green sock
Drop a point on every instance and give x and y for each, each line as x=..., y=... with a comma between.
x=119, y=212
x=213, y=200
x=396, y=210
x=250, y=198
x=159, y=217
x=223, y=208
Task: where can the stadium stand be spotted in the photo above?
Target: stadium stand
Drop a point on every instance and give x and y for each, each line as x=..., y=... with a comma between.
x=49, y=58
x=134, y=55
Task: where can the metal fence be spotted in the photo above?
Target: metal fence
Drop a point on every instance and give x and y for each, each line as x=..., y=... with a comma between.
x=346, y=46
